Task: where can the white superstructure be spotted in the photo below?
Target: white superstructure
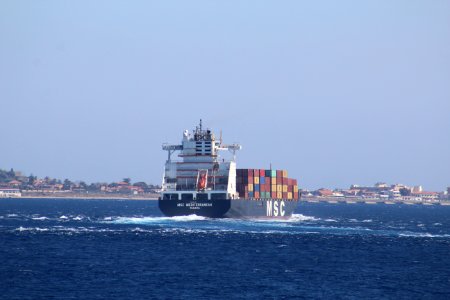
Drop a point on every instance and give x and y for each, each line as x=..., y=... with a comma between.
x=201, y=170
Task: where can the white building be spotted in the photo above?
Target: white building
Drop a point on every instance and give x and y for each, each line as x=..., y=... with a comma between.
x=10, y=193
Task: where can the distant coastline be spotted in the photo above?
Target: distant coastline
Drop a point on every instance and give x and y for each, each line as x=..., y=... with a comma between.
x=94, y=196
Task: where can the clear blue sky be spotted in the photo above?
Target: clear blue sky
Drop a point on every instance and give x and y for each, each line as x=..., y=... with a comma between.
x=337, y=92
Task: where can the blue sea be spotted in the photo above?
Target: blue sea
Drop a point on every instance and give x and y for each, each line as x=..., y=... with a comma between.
x=113, y=249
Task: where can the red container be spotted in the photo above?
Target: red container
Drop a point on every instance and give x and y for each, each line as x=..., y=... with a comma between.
x=274, y=195
x=294, y=181
x=262, y=188
x=256, y=194
x=279, y=174
x=295, y=195
x=290, y=188
x=262, y=172
x=279, y=180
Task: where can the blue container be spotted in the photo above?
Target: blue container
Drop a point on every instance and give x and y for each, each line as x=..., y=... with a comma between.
x=262, y=180
x=256, y=188
x=250, y=194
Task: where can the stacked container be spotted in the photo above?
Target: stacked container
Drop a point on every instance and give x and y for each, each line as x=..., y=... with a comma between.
x=265, y=184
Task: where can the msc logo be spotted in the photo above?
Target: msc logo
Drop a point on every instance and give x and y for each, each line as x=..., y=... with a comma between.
x=275, y=208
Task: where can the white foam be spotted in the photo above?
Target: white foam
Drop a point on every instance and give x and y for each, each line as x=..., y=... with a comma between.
x=78, y=218
x=22, y=229
x=424, y=235
x=40, y=218
x=152, y=220
x=300, y=218
x=63, y=217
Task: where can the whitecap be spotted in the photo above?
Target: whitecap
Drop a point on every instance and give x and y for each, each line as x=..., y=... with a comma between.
x=22, y=229
x=77, y=218
x=300, y=217
x=63, y=217
x=153, y=220
x=40, y=218
x=424, y=235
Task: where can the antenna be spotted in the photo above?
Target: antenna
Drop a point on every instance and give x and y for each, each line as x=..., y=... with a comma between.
x=221, y=137
x=200, y=124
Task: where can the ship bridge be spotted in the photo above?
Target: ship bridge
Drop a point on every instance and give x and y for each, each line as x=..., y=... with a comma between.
x=200, y=168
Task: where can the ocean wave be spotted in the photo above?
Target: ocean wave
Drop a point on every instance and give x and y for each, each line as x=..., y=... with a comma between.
x=40, y=218
x=153, y=220
x=423, y=235
x=301, y=218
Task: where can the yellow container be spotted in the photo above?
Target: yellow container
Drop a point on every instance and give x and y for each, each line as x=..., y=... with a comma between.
x=285, y=174
x=279, y=195
x=250, y=187
x=274, y=180
x=289, y=195
x=279, y=188
x=295, y=188
x=256, y=180
x=284, y=188
x=274, y=188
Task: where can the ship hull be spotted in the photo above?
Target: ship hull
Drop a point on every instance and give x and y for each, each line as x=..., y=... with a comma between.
x=229, y=208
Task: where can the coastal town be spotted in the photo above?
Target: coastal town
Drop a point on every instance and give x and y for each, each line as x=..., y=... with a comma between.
x=16, y=184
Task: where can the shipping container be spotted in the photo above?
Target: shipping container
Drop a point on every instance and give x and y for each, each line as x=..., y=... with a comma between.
x=273, y=173
x=274, y=181
x=289, y=195
x=256, y=180
x=273, y=188
x=262, y=180
x=285, y=174
x=279, y=195
x=257, y=195
x=250, y=187
x=267, y=173
x=285, y=188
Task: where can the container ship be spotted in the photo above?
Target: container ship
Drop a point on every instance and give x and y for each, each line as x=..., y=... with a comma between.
x=203, y=183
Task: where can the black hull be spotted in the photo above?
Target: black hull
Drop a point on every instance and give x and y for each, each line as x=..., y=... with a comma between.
x=229, y=208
